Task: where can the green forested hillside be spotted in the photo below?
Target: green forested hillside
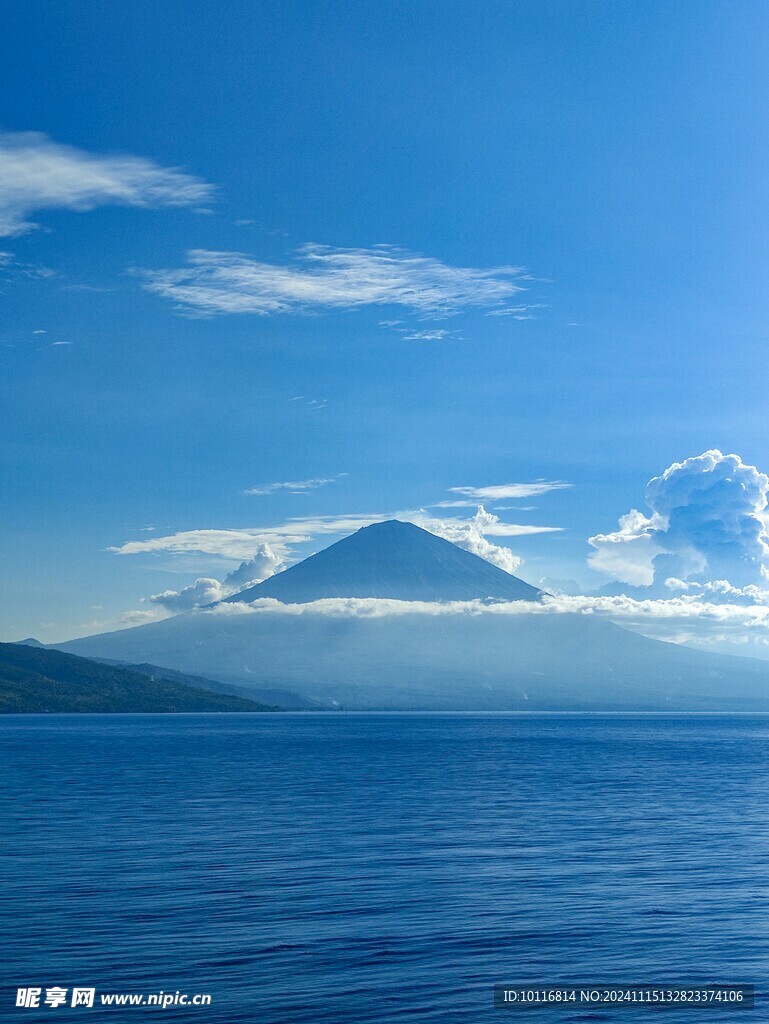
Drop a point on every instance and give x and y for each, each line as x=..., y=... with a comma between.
x=40, y=680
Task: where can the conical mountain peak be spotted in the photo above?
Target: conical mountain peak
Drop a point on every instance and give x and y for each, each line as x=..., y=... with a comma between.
x=393, y=560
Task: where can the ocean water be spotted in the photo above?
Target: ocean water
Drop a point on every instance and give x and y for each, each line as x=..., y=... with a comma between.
x=381, y=868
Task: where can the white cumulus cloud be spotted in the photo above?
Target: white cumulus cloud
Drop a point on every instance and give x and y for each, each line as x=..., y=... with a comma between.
x=200, y=593
x=37, y=173
x=707, y=522
x=628, y=554
x=719, y=591
x=265, y=563
x=205, y=591
x=470, y=535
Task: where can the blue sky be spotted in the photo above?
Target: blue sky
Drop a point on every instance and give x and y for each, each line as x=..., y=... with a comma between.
x=603, y=165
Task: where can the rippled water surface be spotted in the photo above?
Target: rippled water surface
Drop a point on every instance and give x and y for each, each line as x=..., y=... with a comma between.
x=333, y=868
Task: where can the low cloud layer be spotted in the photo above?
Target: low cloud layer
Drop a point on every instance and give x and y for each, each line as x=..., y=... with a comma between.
x=707, y=522
x=322, y=277
x=685, y=619
x=37, y=173
x=618, y=607
x=691, y=618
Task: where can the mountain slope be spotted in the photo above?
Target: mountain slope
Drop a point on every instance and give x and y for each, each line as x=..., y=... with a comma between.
x=493, y=661
x=41, y=680
x=392, y=560
x=270, y=699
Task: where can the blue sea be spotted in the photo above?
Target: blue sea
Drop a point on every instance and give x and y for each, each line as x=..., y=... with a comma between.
x=331, y=868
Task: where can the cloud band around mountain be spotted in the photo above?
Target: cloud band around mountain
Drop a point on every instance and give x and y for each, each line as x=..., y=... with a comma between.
x=682, y=619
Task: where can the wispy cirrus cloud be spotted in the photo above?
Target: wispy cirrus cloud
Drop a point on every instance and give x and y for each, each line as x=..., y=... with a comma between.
x=471, y=534
x=37, y=173
x=410, y=332
x=498, y=492
x=238, y=544
x=437, y=335
x=225, y=543
x=314, y=404
x=520, y=312
x=295, y=486
x=322, y=277
x=14, y=269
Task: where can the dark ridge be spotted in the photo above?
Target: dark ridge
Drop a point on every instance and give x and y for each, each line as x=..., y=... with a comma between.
x=35, y=680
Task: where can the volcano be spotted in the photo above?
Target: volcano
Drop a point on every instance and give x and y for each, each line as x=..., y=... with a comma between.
x=392, y=560
x=394, y=618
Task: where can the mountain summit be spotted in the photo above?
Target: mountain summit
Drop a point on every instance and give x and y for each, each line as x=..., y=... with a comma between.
x=392, y=560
